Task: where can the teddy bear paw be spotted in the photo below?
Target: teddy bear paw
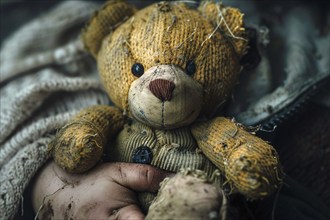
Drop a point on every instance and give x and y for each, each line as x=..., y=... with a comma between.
x=77, y=147
x=189, y=195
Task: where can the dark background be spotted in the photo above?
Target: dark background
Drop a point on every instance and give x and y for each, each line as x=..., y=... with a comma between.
x=14, y=13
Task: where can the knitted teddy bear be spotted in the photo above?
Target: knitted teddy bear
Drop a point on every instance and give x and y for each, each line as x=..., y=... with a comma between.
x=168, y=68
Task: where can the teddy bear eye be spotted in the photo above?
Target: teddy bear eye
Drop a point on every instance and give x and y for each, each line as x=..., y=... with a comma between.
x=191, y=67
x=137, y=69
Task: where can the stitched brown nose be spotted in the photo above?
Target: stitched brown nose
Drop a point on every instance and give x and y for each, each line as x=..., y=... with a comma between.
x=162, y=89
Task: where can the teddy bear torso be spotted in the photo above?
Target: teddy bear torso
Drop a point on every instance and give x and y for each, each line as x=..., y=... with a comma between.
x=170, y=150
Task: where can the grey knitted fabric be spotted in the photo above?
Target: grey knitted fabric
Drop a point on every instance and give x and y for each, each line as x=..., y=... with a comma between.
x=46, y=77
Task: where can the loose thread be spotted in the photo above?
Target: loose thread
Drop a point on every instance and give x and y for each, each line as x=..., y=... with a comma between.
x=44, y=200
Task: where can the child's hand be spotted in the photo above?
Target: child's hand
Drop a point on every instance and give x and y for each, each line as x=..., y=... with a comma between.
x=106, y=192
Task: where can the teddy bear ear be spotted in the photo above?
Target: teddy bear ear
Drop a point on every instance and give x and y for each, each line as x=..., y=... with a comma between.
x=228, y=21
x=103, y=22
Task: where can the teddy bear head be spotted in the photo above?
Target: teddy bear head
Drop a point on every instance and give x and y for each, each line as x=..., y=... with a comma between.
x=168, y=63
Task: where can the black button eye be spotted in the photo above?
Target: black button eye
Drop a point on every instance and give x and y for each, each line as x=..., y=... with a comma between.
x=191, y=67
x=137, y=69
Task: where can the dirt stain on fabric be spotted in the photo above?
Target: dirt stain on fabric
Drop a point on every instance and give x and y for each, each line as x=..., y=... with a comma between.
x=48, y=211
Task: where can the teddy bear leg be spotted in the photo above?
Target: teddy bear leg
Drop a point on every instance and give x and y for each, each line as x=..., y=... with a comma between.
x=187, y=195
x=78, y=146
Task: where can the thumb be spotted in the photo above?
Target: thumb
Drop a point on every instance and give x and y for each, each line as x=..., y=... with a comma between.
x=138, y=177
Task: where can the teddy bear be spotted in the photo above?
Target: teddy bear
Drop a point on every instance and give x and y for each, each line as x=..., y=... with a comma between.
x=168, y=68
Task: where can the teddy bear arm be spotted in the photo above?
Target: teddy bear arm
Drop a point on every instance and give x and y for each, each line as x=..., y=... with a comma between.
x=79, y=145
x=250, y=165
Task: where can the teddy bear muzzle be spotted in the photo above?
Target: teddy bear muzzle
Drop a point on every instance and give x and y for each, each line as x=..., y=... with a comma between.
x=165, y=97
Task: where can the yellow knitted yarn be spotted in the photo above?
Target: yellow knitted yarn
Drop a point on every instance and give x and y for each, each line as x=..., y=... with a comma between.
x=103, y=22
x=250, y=164
x=79, y=145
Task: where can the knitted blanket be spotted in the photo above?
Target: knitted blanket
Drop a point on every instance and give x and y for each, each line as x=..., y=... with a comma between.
x=46, y=77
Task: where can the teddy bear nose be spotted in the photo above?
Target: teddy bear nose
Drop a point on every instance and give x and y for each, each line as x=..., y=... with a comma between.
x=162, y=89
